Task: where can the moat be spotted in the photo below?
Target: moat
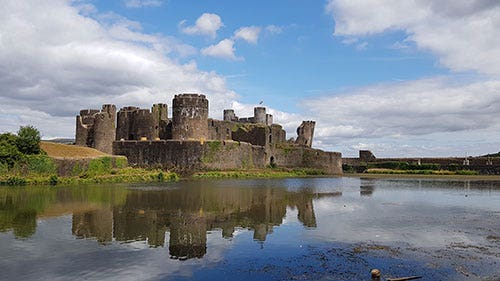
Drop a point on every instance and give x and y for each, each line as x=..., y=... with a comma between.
x=271, y=229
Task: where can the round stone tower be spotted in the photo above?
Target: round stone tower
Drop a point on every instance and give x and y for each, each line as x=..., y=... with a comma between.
x=105, y=129
x=259, y=115
x=229, y=115
x=190, y=117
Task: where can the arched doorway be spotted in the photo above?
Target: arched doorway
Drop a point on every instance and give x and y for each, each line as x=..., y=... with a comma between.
x=272, y=162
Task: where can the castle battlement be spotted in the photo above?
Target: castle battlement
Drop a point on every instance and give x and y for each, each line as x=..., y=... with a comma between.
x=191, y=139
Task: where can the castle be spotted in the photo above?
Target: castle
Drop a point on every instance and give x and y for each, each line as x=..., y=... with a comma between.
x=191, y=141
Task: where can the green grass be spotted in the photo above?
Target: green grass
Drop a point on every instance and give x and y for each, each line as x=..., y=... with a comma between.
x=404, y=166
x=126, y=175
x=42, y=170
x=420, y=172
x=260, y=173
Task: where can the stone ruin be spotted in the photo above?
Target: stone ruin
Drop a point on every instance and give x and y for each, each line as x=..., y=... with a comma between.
x=98, y=129
x=133, y=132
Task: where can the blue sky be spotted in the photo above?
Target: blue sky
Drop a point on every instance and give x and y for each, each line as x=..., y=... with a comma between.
x=402, y=78
x=303, y=60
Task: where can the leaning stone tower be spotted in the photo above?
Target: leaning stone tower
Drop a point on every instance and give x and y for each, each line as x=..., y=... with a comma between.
x=305, y=133
x=189, y=117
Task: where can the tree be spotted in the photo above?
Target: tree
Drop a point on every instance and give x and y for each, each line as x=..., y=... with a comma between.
x=28, y=140
x=9, y=154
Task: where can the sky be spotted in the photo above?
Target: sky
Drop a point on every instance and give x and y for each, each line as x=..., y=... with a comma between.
x=401, y=78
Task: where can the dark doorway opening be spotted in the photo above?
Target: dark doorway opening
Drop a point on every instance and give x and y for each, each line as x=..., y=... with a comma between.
x=272, y=162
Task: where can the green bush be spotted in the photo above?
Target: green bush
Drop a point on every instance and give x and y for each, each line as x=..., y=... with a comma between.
x=121, y=162
x=77, y=169
x=453, y=167
x=100, y=166
x=3, y=168
x=9, y=154
x=346, y=168
x=160, y=177
x=404, y=166
x=28, y=140
x=424, y=166
x=173, y=177
x=15, y=181
x=467, y=172
x=39, y=164
x=53, y=180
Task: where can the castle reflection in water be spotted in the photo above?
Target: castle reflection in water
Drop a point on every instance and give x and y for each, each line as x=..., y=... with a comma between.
x=187, y=214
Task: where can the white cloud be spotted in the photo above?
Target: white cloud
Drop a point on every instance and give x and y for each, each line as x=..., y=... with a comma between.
x=142, y=3
x=274, y=29
x=435, y=116
x=206, y=24
x=248, y=33
x=362, y=46
x=464, y=34
x=54, y=61
x=224, y=49
x=410, y=118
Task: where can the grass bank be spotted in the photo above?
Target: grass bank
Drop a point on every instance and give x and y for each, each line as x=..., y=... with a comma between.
x=43, y=170
x=421, y=172
x=70, y=151
x=125, y=175
x=424, y=176
x=258, y=173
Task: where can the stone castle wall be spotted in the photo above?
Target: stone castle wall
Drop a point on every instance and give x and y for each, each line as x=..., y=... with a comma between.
x=303, y=157
x=220, y=130
x=191, y=141
x=189, y=156
x=483, y=165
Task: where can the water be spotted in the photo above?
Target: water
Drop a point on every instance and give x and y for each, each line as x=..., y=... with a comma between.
x=279, y=229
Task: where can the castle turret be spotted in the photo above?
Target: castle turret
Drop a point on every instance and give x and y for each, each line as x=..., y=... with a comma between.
x=269, y=119
x=105, y=129
x=96, y=128
x=305, y=133
x=84, y=127
x=190, y=117
x=229, y=115
x=124, y=123
x=259, y=115
x=160, y=121
x=366, y=156
x=143, y=125
x=138, y=124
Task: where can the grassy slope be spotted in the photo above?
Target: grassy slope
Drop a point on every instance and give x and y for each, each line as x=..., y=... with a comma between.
x=70, y=151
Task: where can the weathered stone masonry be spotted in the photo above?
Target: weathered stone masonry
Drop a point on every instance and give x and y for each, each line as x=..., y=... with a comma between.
x=96, y=128
x=190, y=141
x=483, y=165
